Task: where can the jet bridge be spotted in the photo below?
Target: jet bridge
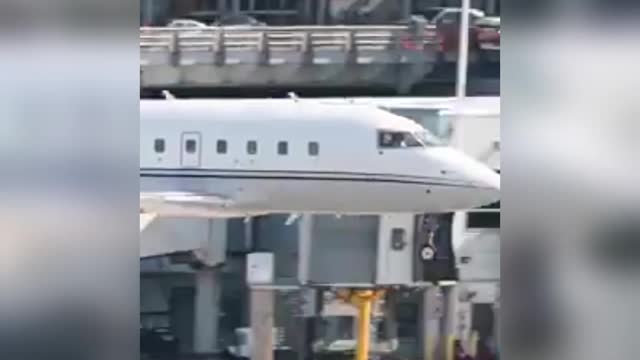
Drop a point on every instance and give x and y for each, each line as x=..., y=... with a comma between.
x=363, y=260
x=166, y=236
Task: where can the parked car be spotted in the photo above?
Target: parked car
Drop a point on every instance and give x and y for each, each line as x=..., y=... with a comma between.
x=238, y=22
x=488, y=33
x=188, y=26
x=186, y=23
x=447, y=22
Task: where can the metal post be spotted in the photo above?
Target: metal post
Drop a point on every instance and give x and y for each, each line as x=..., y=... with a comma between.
x=262, y=321
x=463, y=51
x=364, y=323
x=307, y=13
x=305, y=234
x=364, y=300
x=321, y=12
x=450, y=320
x=260, y=273
x=148, y=18
x=206, y=311
x=431, y=313
x=406, y=9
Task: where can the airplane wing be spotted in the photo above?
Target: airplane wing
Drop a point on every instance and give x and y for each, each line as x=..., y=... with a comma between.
x=186, y=204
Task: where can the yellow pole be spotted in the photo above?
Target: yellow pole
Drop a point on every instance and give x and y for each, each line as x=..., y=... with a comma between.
x=450, y=347
x=365, y=299
x=473, y=346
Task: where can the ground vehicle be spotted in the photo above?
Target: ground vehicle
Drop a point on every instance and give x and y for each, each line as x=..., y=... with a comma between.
x=187, y=26
x=488, y=37
x=239, y=21
x=447, y=23
x=186, y=23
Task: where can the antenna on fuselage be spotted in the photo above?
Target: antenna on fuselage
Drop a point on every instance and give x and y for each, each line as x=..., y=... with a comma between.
x=167, y=95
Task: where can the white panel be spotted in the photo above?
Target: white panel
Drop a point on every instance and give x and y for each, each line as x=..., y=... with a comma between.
x=170, y=235
x=486, y=292
x=395, y=266
x=483, y=251
x=260, y=268
x=215, y=247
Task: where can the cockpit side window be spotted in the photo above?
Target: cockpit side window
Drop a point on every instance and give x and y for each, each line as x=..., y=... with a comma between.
x=398, y=139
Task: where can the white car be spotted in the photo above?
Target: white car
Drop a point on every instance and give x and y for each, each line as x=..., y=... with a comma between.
x=187, y=26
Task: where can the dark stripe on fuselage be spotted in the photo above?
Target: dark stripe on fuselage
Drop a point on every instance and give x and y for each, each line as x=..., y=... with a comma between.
x=296, y=175
x=300, y=172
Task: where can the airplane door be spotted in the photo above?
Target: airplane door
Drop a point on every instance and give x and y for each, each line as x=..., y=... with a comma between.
x=190, y=149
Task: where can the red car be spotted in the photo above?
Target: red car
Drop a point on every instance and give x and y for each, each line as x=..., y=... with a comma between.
x=447, y=22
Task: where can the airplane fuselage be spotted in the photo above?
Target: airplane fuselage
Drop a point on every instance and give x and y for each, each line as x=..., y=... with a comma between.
x=260, y=157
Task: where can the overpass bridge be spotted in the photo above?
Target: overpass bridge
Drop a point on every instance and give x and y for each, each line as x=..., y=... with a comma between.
x=391, y=56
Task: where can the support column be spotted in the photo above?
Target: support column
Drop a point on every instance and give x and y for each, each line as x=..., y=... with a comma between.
x=321, y=12
x=207, y=311
x=496, y=322
x=208, y=288
x=431, y=309
x=448, y=326
x=260, y=276
x=147, y=12
x=262, y=323
x=307, y=11
x=490, y=7
x=222, y=7
x=236, y=7
x=406, y=9
x=390, y=315
x=305, y=229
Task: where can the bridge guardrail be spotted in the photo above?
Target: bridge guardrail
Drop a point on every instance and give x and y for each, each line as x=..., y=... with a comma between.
x=289, y=38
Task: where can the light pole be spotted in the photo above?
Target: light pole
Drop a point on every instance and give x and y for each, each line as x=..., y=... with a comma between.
x=461, y=77
x=463, y=51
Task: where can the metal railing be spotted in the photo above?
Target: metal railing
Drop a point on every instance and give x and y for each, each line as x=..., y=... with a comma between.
x=286, y=38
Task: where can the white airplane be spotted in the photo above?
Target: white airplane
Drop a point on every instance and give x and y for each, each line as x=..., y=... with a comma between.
x=242, y=158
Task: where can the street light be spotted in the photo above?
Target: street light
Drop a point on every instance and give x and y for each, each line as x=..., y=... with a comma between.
x=461, y=78
x=463, y=51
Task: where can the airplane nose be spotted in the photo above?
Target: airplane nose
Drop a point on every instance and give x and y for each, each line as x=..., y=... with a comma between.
x=488, y=178
x=486, y=184
x=484, y=181
x=483, y=178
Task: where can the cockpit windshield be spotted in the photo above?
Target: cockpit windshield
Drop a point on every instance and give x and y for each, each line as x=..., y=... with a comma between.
x=428, y=139
x=406, y=139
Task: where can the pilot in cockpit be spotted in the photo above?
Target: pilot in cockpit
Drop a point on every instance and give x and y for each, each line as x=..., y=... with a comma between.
x=392, y=140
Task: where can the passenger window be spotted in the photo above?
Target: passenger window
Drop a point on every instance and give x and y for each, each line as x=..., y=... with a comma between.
x=221, y=146
x=190, y=146
x=314, y=148
x=282, y=148
x=252, y=147
x=158, y=146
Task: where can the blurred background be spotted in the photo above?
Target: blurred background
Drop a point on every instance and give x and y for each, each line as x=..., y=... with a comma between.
x=69, y=265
